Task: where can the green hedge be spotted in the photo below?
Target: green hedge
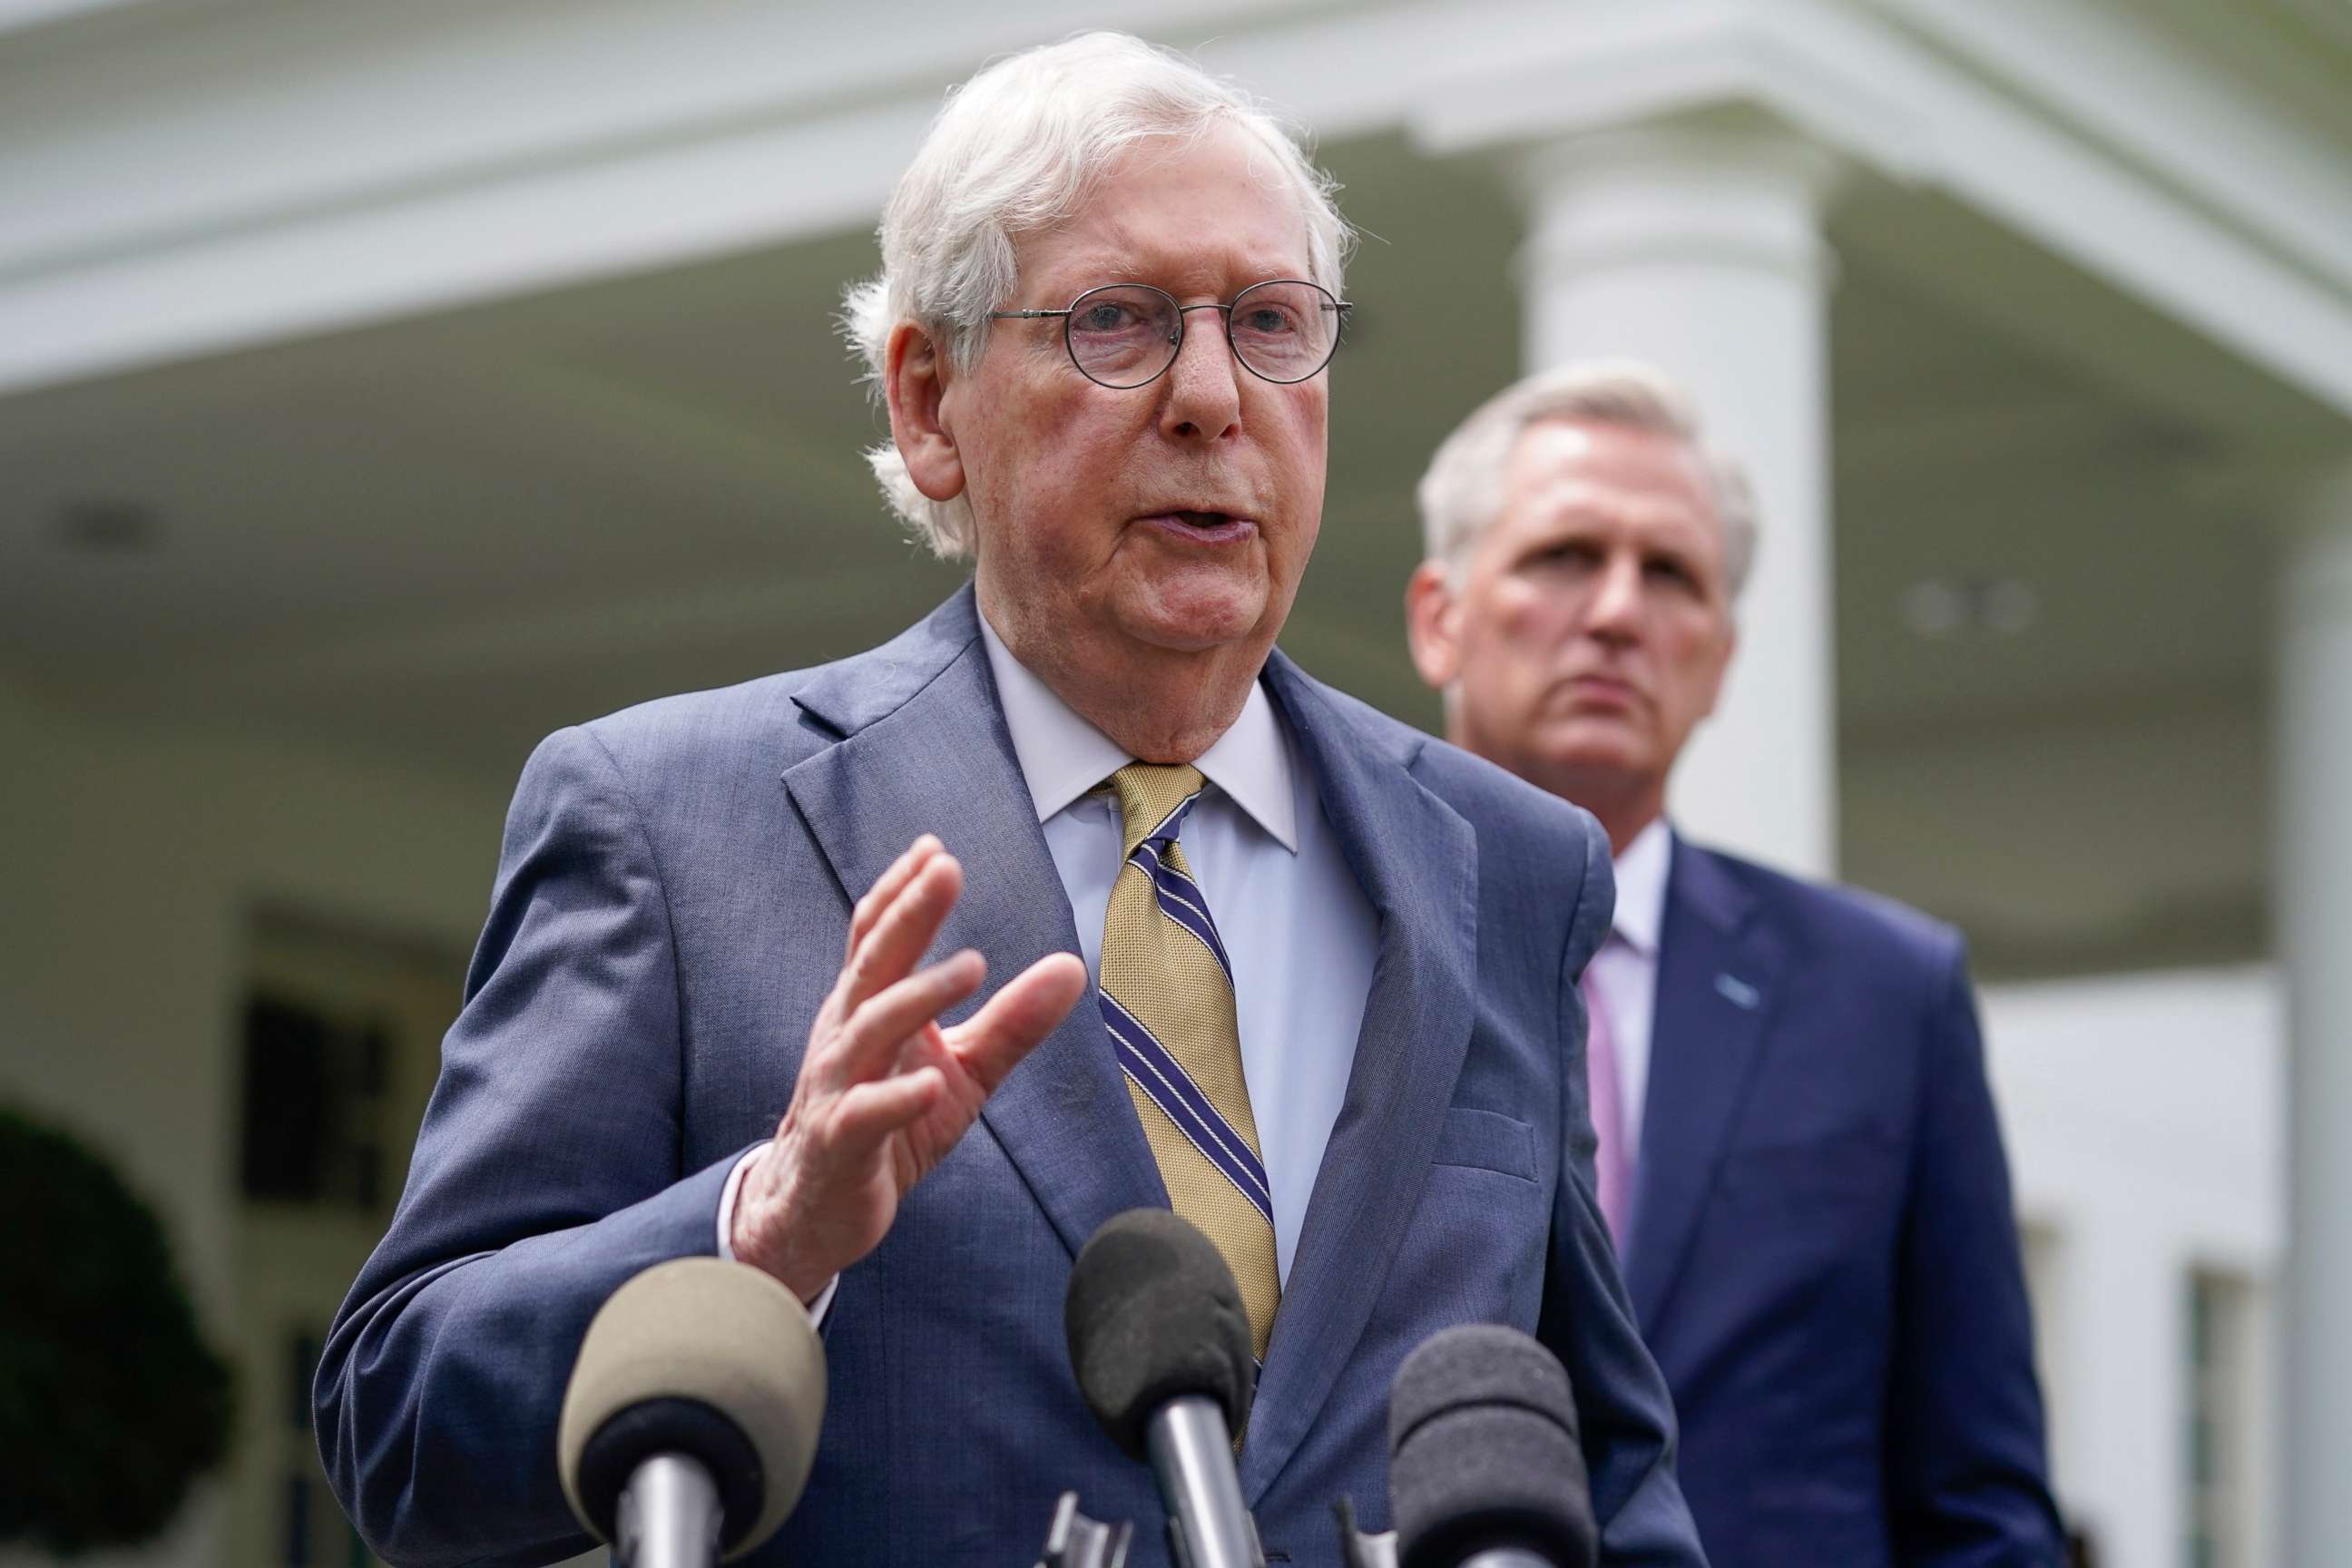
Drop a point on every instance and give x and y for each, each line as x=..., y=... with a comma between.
x=112, y=1404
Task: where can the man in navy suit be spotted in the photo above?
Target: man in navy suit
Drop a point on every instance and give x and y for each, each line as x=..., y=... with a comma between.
x=1798, y=1152
x=700, y=1019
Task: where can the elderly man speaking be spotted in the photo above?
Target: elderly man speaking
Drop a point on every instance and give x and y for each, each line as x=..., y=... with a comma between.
x=700, y=1019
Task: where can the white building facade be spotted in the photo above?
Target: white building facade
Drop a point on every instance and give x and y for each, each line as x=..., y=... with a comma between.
x=381, y=388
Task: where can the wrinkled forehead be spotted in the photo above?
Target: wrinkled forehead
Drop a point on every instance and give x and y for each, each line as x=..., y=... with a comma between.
x=1212, y=211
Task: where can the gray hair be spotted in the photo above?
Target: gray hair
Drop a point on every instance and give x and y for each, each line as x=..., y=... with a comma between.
x=1019, y=148
x=1462, y=494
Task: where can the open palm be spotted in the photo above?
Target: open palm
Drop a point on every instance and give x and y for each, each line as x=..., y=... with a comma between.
x=884, y=1092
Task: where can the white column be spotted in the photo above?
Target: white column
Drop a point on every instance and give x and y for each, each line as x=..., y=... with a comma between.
x=2314, y=921
x=2124, y=1362
x=1700, y=251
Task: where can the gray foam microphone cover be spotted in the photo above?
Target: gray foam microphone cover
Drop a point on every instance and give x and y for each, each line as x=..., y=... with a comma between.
x=1483, y=1453
x=1477, y=1365
x=706, y=1329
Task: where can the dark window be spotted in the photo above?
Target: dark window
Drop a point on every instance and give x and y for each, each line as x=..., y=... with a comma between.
x=314, y=1100
x=285, y=1102
x=298, y=1521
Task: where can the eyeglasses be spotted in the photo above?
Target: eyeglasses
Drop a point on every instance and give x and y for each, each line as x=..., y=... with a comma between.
x=1126, y=335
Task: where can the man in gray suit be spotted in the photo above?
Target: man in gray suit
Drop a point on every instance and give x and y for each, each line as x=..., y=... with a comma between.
x=1328, y=966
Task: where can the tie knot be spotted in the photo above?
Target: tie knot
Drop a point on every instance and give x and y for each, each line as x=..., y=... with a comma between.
x=1151, y=800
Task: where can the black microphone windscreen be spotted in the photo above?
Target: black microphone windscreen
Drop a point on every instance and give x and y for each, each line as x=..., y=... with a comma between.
x=1153, y=1313
x=1483, y=1452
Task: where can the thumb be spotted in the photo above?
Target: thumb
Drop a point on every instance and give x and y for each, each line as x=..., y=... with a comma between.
x=993, y=1041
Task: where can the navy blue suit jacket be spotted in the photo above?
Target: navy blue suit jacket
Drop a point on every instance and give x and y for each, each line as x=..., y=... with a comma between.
x=672, y=901
x=1822, y=1255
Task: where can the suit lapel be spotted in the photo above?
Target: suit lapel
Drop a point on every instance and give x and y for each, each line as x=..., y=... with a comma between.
x=1717, y=983
x=1416, y=861
x=925, y=750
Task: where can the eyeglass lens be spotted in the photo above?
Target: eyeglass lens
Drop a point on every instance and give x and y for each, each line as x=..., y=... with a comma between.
x=1127, y=334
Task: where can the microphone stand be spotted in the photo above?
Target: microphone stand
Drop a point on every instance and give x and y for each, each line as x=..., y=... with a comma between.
x=1192, y=1455
x=1074, y=1541
x=669, y=1516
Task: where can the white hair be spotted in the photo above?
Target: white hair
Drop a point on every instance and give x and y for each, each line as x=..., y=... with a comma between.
x=1462, y=495
x=1019, y=148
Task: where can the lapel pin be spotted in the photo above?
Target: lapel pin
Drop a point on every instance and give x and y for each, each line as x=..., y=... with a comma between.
x=1737, y=992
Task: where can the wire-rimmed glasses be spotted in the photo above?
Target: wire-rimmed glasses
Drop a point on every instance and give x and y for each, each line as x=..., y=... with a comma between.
x=1126, y=335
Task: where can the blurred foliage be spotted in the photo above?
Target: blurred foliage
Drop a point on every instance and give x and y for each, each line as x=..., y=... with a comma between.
x=112, y=1404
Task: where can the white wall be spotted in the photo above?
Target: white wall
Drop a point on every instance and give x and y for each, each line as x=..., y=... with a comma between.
x=2145, y=1119
x=132, y=859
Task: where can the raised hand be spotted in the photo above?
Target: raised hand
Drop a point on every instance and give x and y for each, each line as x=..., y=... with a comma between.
x=885, y=1092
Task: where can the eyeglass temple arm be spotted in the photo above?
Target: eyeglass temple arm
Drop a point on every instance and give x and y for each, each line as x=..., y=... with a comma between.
x=1342, y=306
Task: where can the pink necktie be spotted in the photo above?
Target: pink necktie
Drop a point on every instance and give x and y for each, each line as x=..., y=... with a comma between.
x=1613, y=1171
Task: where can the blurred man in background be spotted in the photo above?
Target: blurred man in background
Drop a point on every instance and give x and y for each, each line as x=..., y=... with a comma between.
x=1217, y=937
x=1798, y=1152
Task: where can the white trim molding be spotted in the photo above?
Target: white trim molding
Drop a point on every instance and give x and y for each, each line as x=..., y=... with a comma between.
x=191, y=179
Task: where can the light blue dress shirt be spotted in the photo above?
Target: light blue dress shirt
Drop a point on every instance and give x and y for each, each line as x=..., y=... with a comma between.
x=1301, y=934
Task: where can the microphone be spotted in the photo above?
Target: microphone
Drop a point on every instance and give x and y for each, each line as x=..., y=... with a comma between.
x=1161, y=1347
x=1484, y=1467
x=691, y=1417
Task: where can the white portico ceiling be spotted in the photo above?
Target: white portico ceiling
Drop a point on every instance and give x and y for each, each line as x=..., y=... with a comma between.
x=194, y=177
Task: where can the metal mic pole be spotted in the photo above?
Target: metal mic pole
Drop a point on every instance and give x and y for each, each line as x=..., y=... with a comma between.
x=1192, y=1453
x=668, y=1516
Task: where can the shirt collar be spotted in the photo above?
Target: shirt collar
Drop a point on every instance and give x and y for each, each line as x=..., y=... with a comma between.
x=1062, y=756
x=1642, y=887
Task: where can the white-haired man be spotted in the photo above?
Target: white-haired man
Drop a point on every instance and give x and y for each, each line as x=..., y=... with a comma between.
x=1798, y=1156
x=1327, y=969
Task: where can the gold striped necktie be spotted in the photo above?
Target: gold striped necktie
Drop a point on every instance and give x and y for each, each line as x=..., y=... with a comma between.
x=1167, y=998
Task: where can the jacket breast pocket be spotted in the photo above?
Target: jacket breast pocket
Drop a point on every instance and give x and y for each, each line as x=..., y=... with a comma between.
x=1487, y=1141
x=1481, y=1230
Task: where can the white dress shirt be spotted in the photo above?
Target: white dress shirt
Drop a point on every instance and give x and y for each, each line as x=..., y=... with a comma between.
x=1300, y=933
x=1625, y=972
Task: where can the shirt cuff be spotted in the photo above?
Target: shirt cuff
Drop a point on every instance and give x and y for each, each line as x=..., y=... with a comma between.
x=823, y=1302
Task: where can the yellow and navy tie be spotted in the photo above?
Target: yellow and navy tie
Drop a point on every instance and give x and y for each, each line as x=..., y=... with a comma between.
x=1168, y=1000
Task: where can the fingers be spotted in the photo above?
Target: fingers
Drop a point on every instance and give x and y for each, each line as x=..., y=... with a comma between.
x=873, y=1034
x=902, y=929
x=886, y=888
x=992, y=1042
x=871, y=1111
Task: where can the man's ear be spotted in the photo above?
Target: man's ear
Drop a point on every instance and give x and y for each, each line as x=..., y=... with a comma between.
x=914, y=385
x=1432, y=624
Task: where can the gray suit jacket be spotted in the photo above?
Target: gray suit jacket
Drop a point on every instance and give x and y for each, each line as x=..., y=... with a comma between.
x=671, y=905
